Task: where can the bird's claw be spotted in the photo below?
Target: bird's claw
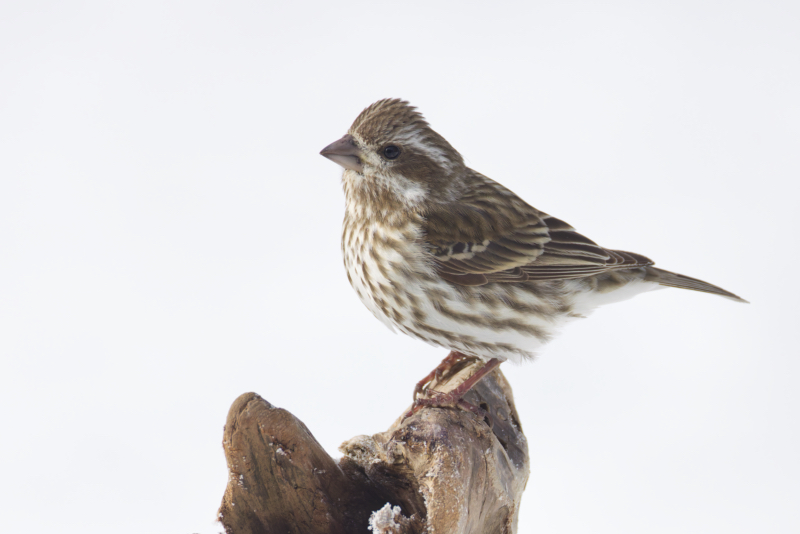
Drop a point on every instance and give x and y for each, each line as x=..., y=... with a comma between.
x=445, y=400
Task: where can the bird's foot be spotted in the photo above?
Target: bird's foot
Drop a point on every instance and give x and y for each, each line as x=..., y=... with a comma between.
x=448, y=363
x=455, y=396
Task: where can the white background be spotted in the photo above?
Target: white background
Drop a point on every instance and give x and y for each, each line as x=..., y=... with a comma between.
x=169, y=239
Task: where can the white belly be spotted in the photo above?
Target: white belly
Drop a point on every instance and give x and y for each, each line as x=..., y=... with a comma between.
x=398, y=285
x=393, y=276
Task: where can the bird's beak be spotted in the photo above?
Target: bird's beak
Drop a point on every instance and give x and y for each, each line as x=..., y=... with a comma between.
x=345, y=153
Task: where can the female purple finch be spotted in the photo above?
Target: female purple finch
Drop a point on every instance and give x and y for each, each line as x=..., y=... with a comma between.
x=446, y=255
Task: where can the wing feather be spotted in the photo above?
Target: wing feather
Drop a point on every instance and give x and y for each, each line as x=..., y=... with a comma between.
x=491, y=235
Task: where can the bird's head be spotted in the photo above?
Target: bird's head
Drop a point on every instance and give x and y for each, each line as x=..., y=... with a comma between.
x=390, y=146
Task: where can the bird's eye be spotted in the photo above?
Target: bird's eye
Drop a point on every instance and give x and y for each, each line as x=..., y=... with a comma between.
x=391, y=152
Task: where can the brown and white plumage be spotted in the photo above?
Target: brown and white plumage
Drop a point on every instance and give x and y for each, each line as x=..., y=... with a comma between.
x=447, y=255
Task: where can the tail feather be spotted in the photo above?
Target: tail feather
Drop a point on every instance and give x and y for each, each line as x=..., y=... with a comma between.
x=666, y=278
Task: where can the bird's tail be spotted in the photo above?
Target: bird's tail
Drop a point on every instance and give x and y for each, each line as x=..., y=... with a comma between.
x=666, y=278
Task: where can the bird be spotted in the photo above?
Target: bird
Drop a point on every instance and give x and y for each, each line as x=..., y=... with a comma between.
x=446, y=255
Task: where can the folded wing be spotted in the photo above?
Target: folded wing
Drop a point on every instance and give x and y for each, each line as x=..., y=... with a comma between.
x=491, y=235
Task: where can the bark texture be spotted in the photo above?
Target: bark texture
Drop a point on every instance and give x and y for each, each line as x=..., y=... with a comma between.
x=443, y=470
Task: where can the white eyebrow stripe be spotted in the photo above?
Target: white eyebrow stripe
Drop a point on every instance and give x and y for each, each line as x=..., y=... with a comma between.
x=413, y=138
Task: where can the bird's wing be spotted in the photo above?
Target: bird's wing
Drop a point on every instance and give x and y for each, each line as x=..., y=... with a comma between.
x=491, y=235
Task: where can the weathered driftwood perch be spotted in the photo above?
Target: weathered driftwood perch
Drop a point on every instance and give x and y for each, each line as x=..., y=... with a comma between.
x=443, y=470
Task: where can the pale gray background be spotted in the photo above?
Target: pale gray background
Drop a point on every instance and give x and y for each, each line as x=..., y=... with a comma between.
x=169, y=239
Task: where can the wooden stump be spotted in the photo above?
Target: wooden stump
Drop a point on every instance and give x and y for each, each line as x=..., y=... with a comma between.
x=443, y=470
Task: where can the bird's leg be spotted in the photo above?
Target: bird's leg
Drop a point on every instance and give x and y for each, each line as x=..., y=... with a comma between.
x=454, y=397
x=446, y=364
